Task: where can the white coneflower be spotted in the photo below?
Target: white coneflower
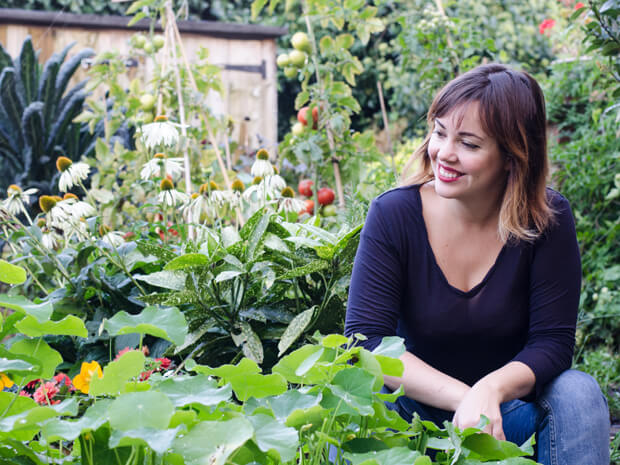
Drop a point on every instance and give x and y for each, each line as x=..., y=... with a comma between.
x=255, y=191
x=198, y=205
x=110, y=238
x=70, y=173
x=274, y=185
x=262, y=167
x=76, y=207
x=160, y=132
x=76, y=227
x=159, y=162
x=50, y=239
x=169, y=196
x=17, y=199
x=55, y=216
x=288, y=202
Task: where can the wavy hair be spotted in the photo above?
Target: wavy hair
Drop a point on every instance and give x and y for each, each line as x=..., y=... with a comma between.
x=512, y=110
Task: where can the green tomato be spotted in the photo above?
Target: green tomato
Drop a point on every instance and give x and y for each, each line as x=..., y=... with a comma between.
x=283, y=60
x=298, y=58
x=328, y=210
x=300, y=41
x=147, y=102
x=149, y=47
x=138, y=40
x=158, y=41
x=290, y=72
x=297, y=129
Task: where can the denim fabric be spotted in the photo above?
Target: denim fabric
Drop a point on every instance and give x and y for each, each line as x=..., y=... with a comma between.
x=570, y=419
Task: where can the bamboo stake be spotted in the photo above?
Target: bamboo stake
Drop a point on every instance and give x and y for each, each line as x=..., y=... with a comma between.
x=330, y=135
x=386, y=126
x=210, y=132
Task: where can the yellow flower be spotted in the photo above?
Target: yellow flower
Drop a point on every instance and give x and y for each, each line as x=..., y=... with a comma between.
x=5, y=381
x=88, y=370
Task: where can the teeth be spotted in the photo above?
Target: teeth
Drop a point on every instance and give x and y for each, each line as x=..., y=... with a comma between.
x=448, y=174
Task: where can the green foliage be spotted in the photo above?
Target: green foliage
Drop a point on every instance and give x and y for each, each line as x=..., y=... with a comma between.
x=36, y=117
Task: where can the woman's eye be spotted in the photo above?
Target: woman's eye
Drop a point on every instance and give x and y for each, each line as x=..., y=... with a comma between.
x=470, y=146
x=438, y=132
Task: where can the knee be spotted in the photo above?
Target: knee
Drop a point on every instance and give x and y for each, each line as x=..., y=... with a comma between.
x=575, y=389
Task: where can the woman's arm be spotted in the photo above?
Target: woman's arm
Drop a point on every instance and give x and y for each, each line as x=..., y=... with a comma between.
x=428, y=385
x=513, y=380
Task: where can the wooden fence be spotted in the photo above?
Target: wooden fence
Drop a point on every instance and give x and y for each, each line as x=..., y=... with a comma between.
x=245, y=53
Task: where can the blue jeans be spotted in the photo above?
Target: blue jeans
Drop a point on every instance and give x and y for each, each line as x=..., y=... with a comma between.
x=570, y=419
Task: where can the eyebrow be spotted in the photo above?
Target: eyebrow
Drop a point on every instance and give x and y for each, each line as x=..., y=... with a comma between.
x=461, y=133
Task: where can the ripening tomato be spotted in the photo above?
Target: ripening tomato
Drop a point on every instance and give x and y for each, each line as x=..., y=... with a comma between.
x=305, y=187
x=302, y=116
x=308, y=208
x=325, y=196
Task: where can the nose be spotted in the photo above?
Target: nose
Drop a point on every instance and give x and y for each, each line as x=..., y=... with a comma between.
x=447, y=151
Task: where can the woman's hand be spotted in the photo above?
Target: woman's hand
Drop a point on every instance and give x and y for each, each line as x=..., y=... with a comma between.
x=481, y=399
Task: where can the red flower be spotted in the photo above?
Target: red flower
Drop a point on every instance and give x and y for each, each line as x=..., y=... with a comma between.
x=145, y=375
x=46, y=393
x=546, y=24
x=62, y=378
x=24, y=394
x=33, y=384
x=579, y=5
x=164, y=363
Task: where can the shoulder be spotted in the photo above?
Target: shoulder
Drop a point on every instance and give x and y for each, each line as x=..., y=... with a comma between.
x=394, y=214
x=398, y=201
x=562, y=219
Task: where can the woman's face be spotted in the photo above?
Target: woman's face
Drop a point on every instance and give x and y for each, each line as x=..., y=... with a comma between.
x=466, y=162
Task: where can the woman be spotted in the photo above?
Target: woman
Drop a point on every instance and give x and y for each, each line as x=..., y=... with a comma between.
x=475, y=263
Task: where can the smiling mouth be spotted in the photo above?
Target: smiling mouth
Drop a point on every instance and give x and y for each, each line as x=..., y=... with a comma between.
x=447, y=174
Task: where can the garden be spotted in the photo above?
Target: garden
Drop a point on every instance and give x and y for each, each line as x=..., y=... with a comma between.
x=165, y=302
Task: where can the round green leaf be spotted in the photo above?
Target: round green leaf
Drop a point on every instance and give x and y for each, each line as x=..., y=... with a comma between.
x=39, y=350
x=42, y=312
x=212, y=442
x=158, y=440
x=167, y=323
x=117, y=373
x=257, y=385
x=270, y=434
x=68, y=326
x=185, y=390
x=140, y=410
x=11, y=274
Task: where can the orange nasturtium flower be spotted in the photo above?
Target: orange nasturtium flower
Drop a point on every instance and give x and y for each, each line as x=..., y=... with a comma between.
x=88, y=370
x=5, y=381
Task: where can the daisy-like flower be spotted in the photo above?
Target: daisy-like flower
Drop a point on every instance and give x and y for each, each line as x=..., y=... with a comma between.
x=254, y=192
x=75, y=207
x=160, y=131
x=159, y=163
x=169, y=196
x=262, y=167
x=70, y=173
x=49, y=238
x=288, y=202
x=17, y=199
x=200, y=204
x=55, y=215
x=218, y=197
x=274, y=185
x=111, y=238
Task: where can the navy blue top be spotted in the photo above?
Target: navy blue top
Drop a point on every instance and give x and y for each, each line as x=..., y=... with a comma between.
x=525, y=308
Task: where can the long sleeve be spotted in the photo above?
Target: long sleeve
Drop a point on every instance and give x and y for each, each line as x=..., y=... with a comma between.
x=554, y=287
x=376, y=283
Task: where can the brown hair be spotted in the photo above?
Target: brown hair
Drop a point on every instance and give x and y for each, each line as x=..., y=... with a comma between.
x=512, y=110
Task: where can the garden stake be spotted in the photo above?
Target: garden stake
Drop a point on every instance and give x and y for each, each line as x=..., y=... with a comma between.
x=330, y=136
x=188, y=179
x=386, y=127
x=210, y=133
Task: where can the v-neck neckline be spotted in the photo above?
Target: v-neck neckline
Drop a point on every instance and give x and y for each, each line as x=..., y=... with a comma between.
x=474, y=290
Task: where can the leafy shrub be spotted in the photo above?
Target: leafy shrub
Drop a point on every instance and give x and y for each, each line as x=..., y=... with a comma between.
x=36, y=113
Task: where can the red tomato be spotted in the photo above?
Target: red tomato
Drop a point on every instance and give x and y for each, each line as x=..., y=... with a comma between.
x=302, y=116
x=305, y=187
x=309, y=208
x=325, y=196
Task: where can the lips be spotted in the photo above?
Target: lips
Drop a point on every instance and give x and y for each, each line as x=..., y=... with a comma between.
x=446, y=174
